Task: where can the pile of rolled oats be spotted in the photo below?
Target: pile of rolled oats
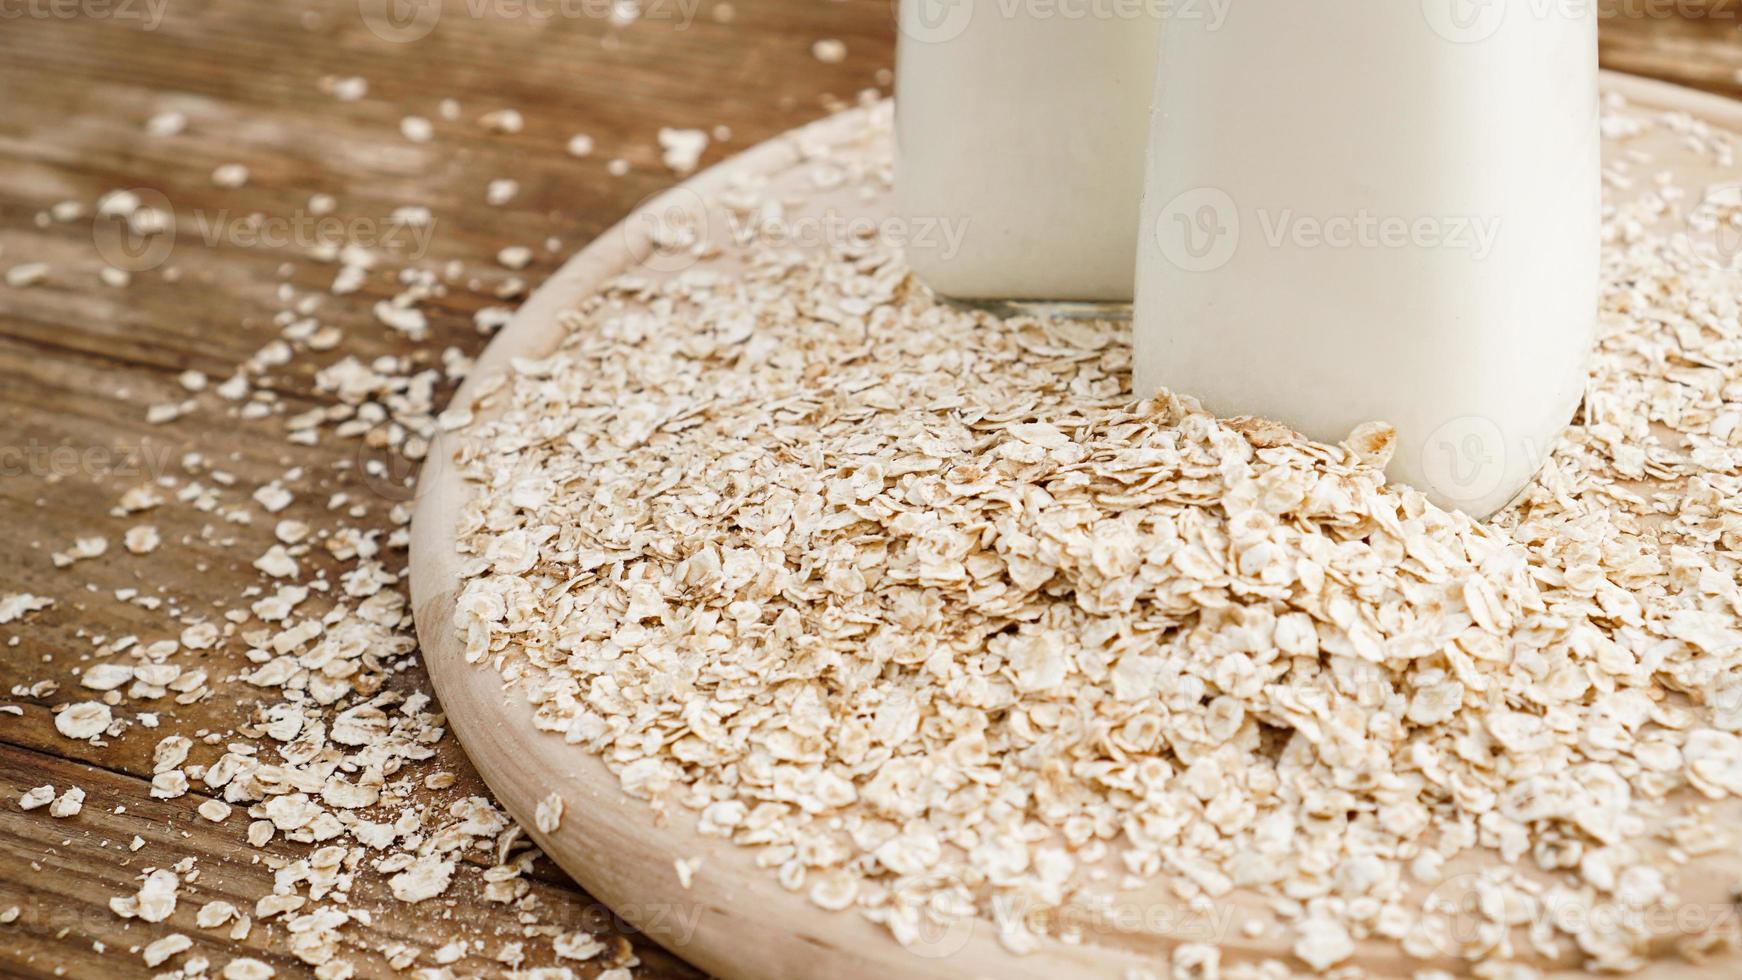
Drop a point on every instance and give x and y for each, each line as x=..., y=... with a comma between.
x=925, y=608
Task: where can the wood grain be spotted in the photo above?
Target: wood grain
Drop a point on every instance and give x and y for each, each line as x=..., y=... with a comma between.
x=82, y=361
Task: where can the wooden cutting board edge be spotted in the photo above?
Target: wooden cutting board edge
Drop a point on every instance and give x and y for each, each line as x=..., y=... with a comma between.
x=735, y=920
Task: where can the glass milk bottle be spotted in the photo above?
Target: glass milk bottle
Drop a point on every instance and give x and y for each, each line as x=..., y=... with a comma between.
x=1379, y=211
x=1020, y=134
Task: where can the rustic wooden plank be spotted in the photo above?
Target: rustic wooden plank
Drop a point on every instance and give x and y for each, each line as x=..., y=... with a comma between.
x=1697, y=43
x=60, y=874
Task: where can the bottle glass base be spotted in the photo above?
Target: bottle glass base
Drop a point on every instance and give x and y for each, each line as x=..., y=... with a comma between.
x=1046, y=309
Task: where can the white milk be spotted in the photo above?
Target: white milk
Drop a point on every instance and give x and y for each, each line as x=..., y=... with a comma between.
x=1020, y=135
x=1379, y=211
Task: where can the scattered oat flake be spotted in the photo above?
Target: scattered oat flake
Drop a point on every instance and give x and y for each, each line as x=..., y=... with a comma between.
x=348, y=89
x=829, y=51
x=26, y=274
x=169, y=785
x=503, y=121
x=68, y=804
x=165, y=412
x=106, y=676
x=413, y=216
x=277, y=562
x=426, y=878
x=577, y=946
x=17, y=605
x=230, y=175
x=501, y=191
x=686, y=871
x=33, y=798
x=550, y=814
x=170, y=752
x=417, y=129
x=155, y=900
x=83, y=720
x=408, y=320
x=141, y=539
x=1323, y=943
x=214, y=914
x=247, y=968
x=273, y=497
x=166, y=124
x=682, y=149
x=159, y=951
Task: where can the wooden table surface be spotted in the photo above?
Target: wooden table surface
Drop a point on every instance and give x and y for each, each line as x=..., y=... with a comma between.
x=82, y=361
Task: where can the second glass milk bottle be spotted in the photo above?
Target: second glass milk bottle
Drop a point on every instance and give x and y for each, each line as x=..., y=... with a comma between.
x=1021, y=127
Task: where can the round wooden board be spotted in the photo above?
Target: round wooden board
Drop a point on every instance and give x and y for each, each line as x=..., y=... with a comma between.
x=735, y=920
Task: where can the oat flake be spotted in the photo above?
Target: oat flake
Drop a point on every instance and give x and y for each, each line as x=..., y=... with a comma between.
x=83, y=720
